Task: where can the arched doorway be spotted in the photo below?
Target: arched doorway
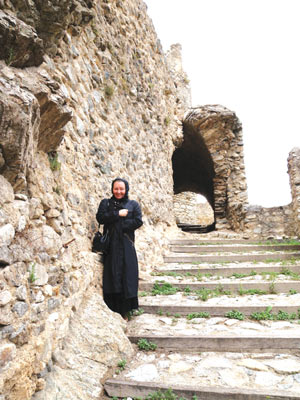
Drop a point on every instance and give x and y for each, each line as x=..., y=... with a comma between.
x=210, y=162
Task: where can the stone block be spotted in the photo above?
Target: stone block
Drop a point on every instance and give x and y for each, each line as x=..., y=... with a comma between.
x=38, y=275
x=7, y=353
x=7, y=233
x=35, y=208
x=284, y=366
x=6, y=256
x=21, y=196
x=37, y=312
x=53, y=303
x=20, y=308
x=21, y=293
x=6, y=331
x=37, y=297
x=15, y=274
x=6, y=315
x=21, y=223
x=44, y=240
x=5, y=297
x=6, y=191
x=52, y=213
x=20, y=336
x=3, y=217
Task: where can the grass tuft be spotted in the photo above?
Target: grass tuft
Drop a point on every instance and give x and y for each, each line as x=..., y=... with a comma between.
x=144, y=344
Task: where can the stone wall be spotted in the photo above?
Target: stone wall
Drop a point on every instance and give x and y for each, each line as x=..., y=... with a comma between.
x=102, y=104
x=270, y=222
x=280, y=221
x=294, y=174
x=188, y=210
x=261, y=222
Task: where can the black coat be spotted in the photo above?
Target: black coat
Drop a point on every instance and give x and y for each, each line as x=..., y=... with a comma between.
x=120, y=274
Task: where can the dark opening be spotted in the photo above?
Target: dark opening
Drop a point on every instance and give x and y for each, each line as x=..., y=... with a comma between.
x=193, y=169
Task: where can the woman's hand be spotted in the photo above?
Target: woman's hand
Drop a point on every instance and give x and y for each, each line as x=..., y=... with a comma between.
x=123, y=212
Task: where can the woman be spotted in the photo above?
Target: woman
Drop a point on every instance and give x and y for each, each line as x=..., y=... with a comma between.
x=121, y=217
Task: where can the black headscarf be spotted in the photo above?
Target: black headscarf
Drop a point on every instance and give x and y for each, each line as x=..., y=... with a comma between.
x=126, y=188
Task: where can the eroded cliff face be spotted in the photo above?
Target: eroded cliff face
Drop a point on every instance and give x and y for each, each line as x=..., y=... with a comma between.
x=86, y=95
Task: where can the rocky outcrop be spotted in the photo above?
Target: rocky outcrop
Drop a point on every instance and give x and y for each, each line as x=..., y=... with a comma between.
x=102, y=347
x=50, y=20
x=21, y=46
x=19, y=122
x=211, y=162
x=32, y=115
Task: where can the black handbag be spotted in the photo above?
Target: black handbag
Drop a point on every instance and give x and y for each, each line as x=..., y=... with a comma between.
x=101, y=242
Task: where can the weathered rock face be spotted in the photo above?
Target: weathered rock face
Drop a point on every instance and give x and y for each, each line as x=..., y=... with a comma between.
x=180, y=78
x=211, y=162
x=294, y=174
x=188, y=210
x=49, y=19
x=104, y=106
x=21, y=46
x=101, y=346
x=19, y=122
x=32, y=115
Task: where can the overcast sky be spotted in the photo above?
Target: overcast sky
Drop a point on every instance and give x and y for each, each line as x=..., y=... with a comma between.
x=244, y=55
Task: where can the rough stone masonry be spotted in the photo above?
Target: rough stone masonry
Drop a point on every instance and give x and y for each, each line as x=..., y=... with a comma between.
x=86, y=94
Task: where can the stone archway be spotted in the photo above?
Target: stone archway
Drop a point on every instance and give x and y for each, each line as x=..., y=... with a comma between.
x=210, y=162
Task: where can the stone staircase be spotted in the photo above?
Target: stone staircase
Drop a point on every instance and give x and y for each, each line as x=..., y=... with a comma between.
x=224, y=318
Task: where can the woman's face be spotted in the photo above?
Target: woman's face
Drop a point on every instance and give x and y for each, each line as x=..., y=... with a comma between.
x=119, y=190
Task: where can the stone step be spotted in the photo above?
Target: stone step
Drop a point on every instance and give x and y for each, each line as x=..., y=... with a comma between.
x=213, y=310
x=283, y=343
x=232, y=249
x=145, y=324
x=197, y=228
x=267, y=286
x=231, y=258
x=228, y=270
x=203, y=241
x=184, y=360
x=124, y=388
